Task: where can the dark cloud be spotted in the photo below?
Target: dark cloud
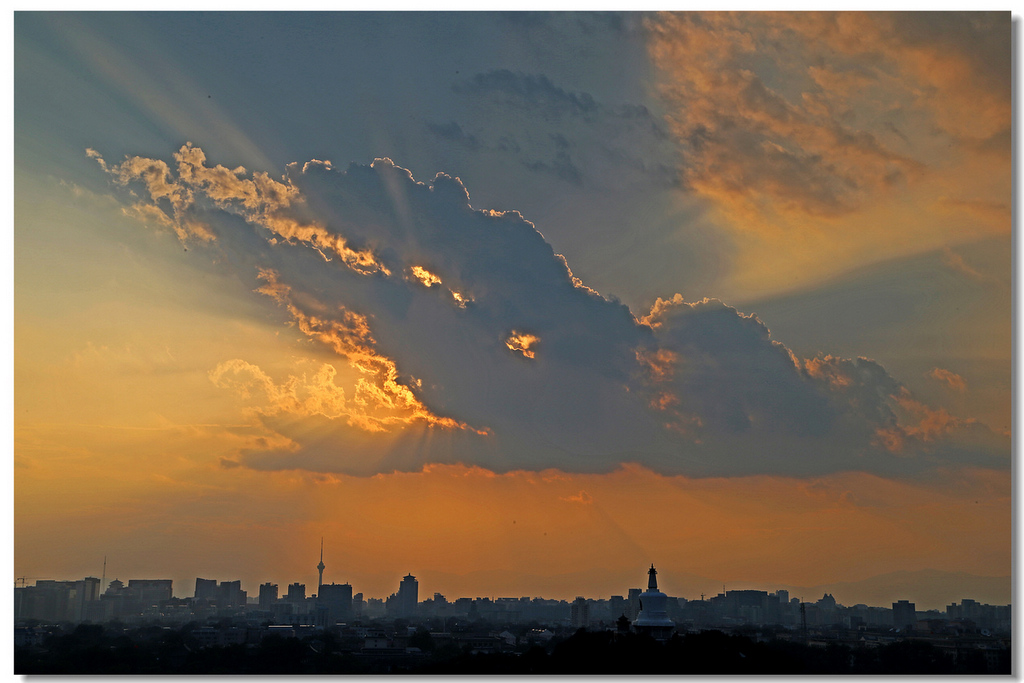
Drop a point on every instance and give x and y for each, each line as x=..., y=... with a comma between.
x=621, y=140
x=529, y=91
x=472, y=341
x=588, y=22
x=561, y=165
x=453, y=132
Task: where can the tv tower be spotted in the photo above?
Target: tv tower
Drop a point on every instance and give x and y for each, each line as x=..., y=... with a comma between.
x=320, y=566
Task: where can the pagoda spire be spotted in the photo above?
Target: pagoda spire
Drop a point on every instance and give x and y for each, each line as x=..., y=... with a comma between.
x=653, y=618
x=320, y=567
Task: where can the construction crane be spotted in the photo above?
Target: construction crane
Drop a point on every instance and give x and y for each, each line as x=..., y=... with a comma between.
x=22, y=579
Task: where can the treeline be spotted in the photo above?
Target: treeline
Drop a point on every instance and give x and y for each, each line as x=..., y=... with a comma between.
x=91, y=649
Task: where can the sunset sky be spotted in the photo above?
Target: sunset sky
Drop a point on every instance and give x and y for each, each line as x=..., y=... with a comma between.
x=518, y=303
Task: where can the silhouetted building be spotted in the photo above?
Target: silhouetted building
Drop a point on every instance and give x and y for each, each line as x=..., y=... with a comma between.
x=206, y=589
x=230, y=594
x=56, y=601
x=150, y=591
x=746, y=606
x=408, y=596
x=633, y=604
x=268, y=595
x=653, y=618
x=616, y=606
x=48, y=601
x=904, y=614
x=296, y=592
x=336, y=598
x=87, y=591
x=579, y=614
x=969, y=612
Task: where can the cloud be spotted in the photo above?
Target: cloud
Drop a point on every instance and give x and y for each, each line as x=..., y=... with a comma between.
x=522, y=343
x=562, y=166
x=931, y=424
x=951, y=379
x=453, y=132
x=985, y=209
x=583, y=498
x=529, y=91
x=765, y=133
x=425, y=276
x=812, y=131
x=956, y=262
x=569, y=135
x=434, y=306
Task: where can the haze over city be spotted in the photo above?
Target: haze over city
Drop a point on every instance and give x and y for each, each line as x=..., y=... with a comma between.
x=517, y=303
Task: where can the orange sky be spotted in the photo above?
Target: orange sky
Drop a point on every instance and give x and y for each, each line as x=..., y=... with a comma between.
x=189, y=516
x=228, y=348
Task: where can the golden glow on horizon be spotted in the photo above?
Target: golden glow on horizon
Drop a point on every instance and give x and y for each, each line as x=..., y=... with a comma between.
x=469, y=531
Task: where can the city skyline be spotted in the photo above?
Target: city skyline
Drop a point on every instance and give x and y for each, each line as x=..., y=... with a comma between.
x=66, y=627
x=650, y=611
x=513, y=299
x=927, y=591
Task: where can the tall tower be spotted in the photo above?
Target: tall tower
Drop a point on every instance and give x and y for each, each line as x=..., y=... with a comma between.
x=408, y=596
x=320, y=567
x=653, y=617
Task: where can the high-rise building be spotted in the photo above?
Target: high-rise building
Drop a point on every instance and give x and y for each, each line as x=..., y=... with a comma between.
x=904, y=614
x=616, y=606
x=48, y=600
x=150, y=591
x=206, y=589
x=408, y=596
x=230, y=594
x=86, y=591
x=296, y=592
x=633, y=604
x=337, y=599
x=579, y=613
x=268, y=595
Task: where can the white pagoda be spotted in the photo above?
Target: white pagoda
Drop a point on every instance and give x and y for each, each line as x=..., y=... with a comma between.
x=653, y=618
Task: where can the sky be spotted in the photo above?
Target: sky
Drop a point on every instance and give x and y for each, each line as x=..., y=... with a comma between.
x=519, y=303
